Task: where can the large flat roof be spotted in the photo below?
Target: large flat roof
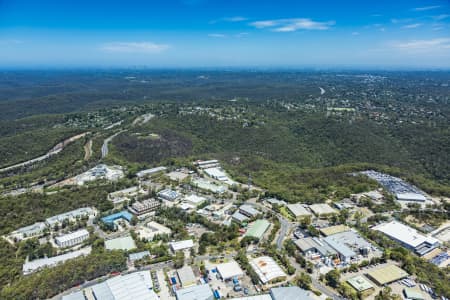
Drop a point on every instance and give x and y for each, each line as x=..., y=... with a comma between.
x=291, y=293
x=334, y=229
x=187, y=276
x=404, y=234
x=133, y=286
x=72, y=235
x=229, y=270
x=121, y=243
x=258, y=228
x=298, y=210
x=387, y=274
x=181, y=245
x=267, y=269
x=37, y=264
x=322, y=209
x=360, y=283
x=196, y=292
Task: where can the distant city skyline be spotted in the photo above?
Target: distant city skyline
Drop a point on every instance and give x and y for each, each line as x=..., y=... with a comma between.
x=203, y=34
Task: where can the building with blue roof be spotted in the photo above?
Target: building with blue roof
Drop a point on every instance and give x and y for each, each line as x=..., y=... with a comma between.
x=109, y=220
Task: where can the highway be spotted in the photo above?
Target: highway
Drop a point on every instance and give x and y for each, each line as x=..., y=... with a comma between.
x=107, y=141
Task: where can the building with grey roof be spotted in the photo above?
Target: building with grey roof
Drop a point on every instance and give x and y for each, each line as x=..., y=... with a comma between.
x=239, y=218
x=196, y=292
x=248, y=210
x=291, y=293
x=298, y=210
x=138, y=255
x=315, y=245
x=133, y=286
x=186, y=276
x=344, y=252
x=74, y=296
x=71, y=215
x=35, y=230
x=72, y=239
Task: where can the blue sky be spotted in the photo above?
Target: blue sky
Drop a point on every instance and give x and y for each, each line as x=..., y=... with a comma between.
x=202, y=33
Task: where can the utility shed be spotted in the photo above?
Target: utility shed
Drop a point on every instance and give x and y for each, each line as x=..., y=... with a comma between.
x=387, y=274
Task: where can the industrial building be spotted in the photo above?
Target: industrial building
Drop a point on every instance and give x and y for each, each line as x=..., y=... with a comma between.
x=413, y=197
x=217, y=174
x=229, y=270
x=139, y=255
x=122, y=243
x=208, y=186
x=186, y=276
x=258, y=228
x=205, y=164
x=35, y=230
x=195, y=200
x=181, y=245
x=109, y=220
x=74, y=296
x=348, y=245
x=196, y=292
x=248, y=211
x=71, y=216
x=408, y=237
x=136, y=286
x=298, y=211
x=315, y=247
x=361, y=285
x=334, y=229
x=151, y=229
x=413, y=294
x=239, y=218
x=72, y=239
x=322, y=210
x=37, y=264
x=145, y=206
x=291, y=293
x=119, y=197
x=149, y=172
x=386, y=274
x=267, y=269
x=168, y=194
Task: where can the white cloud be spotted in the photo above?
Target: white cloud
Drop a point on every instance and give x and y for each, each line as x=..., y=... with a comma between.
x=411, y=26
x=441, y=17
x=263, y=24
x=135, y=47
x=235, y=19
x=289, y=25
x=216, y=35
x=431, y=44
x=425, y=8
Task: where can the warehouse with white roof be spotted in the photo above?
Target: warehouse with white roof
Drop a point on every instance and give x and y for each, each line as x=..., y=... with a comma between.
x=267, y=269
x=229, y=270
x=408, y=237
x=72, y=239
x=181, y=245
x=298, y=210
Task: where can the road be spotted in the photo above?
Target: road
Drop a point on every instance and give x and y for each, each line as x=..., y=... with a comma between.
x=55, y=150
x=285, y=225
x=107, y=141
